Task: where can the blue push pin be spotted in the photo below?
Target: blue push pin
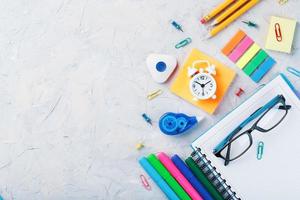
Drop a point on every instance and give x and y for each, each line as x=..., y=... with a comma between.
x=177, y=123
x=146, y=118
x=177, y=26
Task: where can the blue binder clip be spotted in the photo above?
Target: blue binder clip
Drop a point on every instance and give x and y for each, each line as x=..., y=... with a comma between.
x=177, y=123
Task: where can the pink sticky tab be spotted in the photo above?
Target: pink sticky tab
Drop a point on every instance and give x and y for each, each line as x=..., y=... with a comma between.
x=240, y=49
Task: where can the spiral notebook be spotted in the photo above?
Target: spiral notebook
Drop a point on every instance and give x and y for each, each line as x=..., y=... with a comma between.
x=214, y=176
x=277, y=174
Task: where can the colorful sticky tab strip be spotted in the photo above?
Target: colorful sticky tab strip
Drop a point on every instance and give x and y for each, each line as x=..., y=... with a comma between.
x=255, y=62
x=235, y=40
x=248, y=56
x=263, y=69
x=240, y=49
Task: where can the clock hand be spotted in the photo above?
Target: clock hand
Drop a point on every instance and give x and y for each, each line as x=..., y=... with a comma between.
x=207, y=83
x=203, y=91
x=202, y=85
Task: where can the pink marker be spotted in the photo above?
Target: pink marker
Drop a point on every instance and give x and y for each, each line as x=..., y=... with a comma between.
x=167, y=162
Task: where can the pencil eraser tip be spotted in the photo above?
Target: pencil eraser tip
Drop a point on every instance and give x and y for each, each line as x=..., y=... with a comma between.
x=202, y=21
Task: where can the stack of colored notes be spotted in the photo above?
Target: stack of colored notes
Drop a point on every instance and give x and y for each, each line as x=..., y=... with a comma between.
x=248, y=56
x=179, y=179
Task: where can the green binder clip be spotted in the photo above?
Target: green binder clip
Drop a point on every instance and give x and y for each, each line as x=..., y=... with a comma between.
x=260, y=150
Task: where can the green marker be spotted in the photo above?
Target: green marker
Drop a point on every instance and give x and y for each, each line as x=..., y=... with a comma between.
x=202, y=178
x=164, y=173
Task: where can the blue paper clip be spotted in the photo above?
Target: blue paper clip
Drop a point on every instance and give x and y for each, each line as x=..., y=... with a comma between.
x=183, y=43
x=260, y=150
x=293, y=71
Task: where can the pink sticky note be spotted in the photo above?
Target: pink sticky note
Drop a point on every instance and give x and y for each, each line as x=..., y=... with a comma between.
x=171, y=167
x=240, y=49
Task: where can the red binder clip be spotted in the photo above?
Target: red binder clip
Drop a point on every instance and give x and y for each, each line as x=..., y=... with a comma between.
x=278, y=32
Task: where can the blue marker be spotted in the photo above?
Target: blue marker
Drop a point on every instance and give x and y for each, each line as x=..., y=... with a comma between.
x=177, y=123
x=191, y=178
x=158, y=179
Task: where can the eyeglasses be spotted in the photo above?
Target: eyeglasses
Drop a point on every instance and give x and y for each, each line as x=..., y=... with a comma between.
x=239, y=141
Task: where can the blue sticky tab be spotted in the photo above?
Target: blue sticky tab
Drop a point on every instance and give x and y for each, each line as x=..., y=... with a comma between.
x=263, y=69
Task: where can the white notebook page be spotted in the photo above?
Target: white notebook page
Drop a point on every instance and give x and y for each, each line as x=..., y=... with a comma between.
x=277, y=174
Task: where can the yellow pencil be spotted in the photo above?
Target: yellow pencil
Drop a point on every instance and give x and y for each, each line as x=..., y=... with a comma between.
x=229, y=11
x=216, y=11
x=233, y=17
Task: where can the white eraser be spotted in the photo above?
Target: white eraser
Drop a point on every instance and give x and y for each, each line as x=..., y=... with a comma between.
x=161, y=66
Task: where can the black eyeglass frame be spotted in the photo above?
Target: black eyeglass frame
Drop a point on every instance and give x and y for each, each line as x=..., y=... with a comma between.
x=248, y=132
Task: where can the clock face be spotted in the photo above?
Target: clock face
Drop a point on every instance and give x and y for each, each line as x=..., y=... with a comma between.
x=203, y=86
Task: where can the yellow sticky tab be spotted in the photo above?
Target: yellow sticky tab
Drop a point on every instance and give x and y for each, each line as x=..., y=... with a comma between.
x=250, y=53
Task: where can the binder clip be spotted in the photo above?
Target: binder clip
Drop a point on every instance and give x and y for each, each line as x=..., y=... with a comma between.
x=177, y=123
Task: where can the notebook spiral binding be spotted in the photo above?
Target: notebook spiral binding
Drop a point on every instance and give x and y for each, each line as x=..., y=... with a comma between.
x=213, y=176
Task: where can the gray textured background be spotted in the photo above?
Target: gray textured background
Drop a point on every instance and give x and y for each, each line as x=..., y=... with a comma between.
x=73, y=86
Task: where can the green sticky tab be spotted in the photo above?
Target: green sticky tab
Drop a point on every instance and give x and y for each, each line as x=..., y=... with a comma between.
x=255, y=62
x=164, y=173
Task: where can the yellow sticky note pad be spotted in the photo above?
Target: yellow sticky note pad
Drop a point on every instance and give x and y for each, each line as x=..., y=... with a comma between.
x=224, y=77
x=281, y=34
